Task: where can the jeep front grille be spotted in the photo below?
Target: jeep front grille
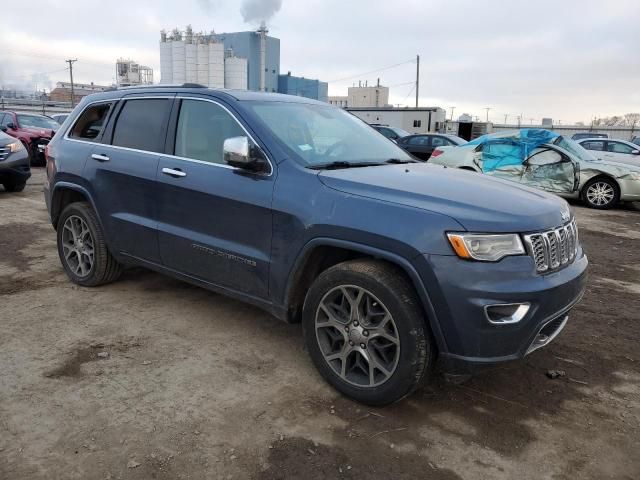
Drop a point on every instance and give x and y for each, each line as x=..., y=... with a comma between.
x=553, y=249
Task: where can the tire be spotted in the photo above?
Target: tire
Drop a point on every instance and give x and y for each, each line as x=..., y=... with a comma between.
x=11, y=186
x=601, y=193
x=75, y=258
x=385, y=290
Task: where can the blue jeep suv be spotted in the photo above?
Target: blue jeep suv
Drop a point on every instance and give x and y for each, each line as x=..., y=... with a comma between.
x=302, y=209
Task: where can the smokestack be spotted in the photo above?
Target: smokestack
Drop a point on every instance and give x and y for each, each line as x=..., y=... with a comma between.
x=262, y=31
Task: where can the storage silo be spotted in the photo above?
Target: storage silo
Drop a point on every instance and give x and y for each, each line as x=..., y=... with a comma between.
x=191, y=71
x=235, y=73
x=216, y=65
x=178, y=61
x=166, y=65
x=202, y=48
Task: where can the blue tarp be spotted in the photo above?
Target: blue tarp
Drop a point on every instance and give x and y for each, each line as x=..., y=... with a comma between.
x=511, y=148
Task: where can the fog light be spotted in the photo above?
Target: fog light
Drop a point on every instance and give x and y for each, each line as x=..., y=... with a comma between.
x=505, y=313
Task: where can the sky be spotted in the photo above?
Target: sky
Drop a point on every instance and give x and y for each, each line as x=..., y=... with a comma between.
x=570, y=60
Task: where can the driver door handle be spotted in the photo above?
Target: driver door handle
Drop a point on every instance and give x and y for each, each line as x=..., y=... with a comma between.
x=174, y=172
x=99, y=157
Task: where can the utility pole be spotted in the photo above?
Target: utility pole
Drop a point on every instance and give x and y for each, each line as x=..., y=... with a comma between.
x=487, y=109
x=417, y=78
x=506, y=115
x=70, y=62
x=452, y=109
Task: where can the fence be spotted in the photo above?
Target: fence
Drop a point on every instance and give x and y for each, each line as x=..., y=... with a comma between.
x=42, y=107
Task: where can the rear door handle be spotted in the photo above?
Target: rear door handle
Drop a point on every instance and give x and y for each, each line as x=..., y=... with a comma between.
x=99, y=157
x=174, y=172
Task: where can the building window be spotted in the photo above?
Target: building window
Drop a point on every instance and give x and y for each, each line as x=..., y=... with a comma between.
x=417, y=123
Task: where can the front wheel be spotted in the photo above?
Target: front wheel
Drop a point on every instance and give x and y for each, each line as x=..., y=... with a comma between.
x=601, y=193
x=366, y=332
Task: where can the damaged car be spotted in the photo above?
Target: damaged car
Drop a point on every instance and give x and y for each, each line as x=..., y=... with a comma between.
x=33, y=131
x=548, y=161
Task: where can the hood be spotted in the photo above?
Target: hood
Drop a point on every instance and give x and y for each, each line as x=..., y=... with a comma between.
x=478, y=202
x=39, y=132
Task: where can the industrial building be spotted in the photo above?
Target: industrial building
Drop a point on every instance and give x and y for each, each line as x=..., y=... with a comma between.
x=129, y=73
x=192, y=58
x=413, y=120
x=242, y=60
x=303, y=87
x=363, y=96
x=262, y=53
x=62, y=92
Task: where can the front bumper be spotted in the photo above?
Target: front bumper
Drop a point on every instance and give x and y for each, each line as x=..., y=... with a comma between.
x=460, y=290
x=15, y=167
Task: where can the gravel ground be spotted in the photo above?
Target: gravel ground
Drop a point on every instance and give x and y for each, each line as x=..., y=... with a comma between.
x=153, y=378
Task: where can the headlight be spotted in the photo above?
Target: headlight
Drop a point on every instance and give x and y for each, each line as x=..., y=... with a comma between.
x=486, y=247
x=15, y=147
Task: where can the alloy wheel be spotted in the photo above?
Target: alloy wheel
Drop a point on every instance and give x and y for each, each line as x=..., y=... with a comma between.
x=78, y=246
x=600, y=193
x=357, y=336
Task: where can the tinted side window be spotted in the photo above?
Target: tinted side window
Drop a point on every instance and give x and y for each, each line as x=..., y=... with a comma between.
x=7, y=119
x=91, y=122
x=599, y=146
x=202, y=129
x=388, y=133
x=439, y=142
x=419, y=141
x=140, y=124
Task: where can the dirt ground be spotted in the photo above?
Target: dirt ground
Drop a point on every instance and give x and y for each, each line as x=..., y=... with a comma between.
x=153, y=378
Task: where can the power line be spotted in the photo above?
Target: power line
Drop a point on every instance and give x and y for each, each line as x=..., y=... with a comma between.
x=49, y=57
x=372, y=71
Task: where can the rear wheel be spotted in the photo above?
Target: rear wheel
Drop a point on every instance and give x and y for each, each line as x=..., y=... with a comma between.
x=12, y=186
x=366, y=332
x=601, y=193
x=82, y=248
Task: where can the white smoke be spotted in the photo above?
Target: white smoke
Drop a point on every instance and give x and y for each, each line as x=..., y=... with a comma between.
x=255, y=11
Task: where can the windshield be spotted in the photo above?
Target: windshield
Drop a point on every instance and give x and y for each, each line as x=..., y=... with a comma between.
x=35, y=121
x=456, y=139
x=575, y=148
x=318, y=134
x=400, y=132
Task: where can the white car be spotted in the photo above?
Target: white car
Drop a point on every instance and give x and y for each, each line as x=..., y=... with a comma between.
x=613, y=150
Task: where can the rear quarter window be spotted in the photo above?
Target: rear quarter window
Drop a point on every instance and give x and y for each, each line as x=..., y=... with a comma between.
x=91, y=122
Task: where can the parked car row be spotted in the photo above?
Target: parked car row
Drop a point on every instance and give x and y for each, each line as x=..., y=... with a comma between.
x=298, y=207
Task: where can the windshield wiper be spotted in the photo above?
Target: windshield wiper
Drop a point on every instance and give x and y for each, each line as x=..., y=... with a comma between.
x=397, y=161
x=343, y=164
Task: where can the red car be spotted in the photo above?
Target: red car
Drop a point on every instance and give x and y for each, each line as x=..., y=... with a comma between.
x=32, y=130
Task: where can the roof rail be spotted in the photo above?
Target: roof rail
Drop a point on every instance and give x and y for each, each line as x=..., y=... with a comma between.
x=159, y=85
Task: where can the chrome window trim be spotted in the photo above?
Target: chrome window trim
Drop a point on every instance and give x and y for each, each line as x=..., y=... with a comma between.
x=167, y=155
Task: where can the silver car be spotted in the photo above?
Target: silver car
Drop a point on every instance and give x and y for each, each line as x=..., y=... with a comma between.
x=543, y=159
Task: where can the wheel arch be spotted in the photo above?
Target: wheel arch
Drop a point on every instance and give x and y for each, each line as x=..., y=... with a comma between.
x=322, y=253
x=601, y=175
x=65, y=193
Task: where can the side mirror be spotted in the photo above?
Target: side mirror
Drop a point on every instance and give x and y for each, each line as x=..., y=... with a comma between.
x=240, y=152
x=11, y=125
x=635, y=152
